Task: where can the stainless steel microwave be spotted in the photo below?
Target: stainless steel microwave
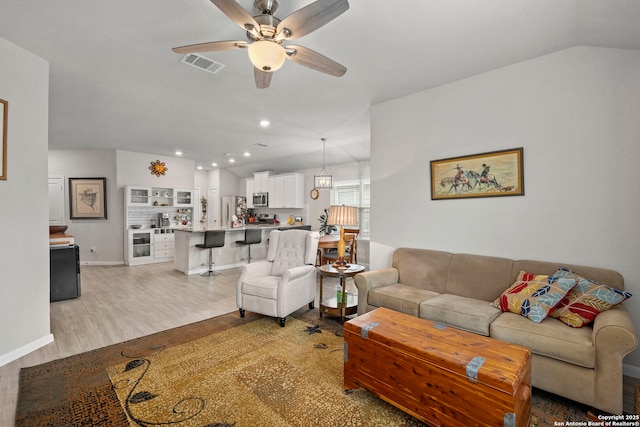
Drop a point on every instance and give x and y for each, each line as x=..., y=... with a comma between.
x=260, y=200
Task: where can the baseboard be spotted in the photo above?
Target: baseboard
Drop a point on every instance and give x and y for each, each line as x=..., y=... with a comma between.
x=631, y=371
x=25, y=349
x=101, y=262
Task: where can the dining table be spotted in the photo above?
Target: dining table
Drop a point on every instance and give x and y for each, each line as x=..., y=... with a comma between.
x=330, y=241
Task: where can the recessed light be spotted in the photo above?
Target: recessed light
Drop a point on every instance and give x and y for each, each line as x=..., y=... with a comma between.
x=247, y=154
x=178, y=153
x=214, y=165
x=264, y=123
x=232, y=160
x=199, y=168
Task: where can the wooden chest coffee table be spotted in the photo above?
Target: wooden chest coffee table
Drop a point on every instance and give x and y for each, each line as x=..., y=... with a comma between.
x=439, y=374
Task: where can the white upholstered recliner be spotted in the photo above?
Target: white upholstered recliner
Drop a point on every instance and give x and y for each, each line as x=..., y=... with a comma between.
x=285, y=281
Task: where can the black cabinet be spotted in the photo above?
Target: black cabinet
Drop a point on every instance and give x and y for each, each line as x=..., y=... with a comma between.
x=64, y=272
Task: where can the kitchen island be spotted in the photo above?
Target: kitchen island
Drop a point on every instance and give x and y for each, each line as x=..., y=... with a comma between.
x=192, y=260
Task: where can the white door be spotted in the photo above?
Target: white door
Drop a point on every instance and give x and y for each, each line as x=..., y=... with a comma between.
x=56, y=200
x=213, y=208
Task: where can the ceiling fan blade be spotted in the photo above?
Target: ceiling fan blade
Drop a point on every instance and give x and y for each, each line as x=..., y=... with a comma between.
x=263, y=80
x=211, y=46
x=310, y=18
x=314, y=60
x=237, y=14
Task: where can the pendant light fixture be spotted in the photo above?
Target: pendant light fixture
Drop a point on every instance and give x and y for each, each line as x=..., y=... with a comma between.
x=324, y=181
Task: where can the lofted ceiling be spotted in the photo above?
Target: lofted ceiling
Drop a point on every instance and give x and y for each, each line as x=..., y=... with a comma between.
x=116, y=84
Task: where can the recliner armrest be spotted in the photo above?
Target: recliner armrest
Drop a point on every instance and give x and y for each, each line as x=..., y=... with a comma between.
x=255, y=269
x=296, y=272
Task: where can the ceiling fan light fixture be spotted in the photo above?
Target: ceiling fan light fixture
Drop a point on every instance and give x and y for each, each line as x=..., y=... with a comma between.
x=266, y=55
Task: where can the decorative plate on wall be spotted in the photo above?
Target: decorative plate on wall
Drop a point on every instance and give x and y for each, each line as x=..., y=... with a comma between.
x=158, y=168
x=314, y=193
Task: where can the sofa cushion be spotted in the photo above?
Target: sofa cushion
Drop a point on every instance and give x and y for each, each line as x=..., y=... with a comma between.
x=534, y=296
x=588, y=299
x=399, y=297
x=422, y=268
x=478, y=276
x=470, y=314
x=549, y=338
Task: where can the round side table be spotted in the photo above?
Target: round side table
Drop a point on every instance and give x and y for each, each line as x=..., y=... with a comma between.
x=331, y=307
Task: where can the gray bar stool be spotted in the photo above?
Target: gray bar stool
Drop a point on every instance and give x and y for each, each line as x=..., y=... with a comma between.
x=212, y=239
x=251, y=237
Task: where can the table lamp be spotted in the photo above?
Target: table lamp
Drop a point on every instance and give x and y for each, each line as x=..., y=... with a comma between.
x=342, y=216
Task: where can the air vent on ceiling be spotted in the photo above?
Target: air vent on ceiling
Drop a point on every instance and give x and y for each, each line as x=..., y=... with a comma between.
x=201, y=62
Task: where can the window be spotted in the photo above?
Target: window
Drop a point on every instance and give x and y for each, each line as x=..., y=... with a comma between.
x=355, y=192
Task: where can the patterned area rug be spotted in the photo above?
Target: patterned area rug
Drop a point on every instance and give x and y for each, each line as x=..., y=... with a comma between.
x=224, y=371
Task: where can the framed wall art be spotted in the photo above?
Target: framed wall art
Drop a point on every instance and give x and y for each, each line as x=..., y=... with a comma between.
x=4, y=117
x=492, y=174
x=88, y=198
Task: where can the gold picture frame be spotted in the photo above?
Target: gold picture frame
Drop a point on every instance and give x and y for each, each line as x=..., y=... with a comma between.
x=4, y=118
x=88, y=198
x=491, y=174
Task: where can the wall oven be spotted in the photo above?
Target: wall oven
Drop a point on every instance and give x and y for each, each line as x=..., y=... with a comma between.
x=260, y=200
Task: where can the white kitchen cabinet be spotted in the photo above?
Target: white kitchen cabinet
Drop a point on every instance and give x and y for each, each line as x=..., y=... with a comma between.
x=139, y=246
x=294, y=190
x=250, y=191
x=138, y=196
x=56, y=200
x=261, y=182
x=183, y=198
x=276, y=192
x=151, y=245
x=163, y=246
x=162, y=196
x=286, y=191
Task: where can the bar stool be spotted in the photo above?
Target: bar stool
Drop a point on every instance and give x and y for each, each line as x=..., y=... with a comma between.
x=212, y=239
x=251, y=236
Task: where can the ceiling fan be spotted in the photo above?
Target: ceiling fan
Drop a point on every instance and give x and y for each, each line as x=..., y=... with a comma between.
x=266, y=34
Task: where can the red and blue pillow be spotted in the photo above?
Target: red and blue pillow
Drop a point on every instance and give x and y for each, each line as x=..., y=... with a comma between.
x=586, y=300
x=535, y=296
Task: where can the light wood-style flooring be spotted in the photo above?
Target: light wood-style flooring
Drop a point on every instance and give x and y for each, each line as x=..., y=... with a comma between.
x=120, y=303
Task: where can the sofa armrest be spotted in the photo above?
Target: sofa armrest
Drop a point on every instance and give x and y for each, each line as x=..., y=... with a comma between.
x=614, y=329
x=614, y=336
x=370, y=280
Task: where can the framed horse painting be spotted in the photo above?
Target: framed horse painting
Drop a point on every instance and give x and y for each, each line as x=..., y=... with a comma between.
x=492, y=174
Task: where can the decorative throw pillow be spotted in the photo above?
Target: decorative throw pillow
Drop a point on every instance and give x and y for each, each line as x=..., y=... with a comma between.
x=588, y=299
x=534, y=296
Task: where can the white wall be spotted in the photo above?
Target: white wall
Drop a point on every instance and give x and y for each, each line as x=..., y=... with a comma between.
x=105, y=235
x=575, y=113
x=133, y=169
x=24, y=252
x=314, y=208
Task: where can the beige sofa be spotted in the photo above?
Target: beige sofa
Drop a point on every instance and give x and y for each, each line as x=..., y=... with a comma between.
x=582, y=364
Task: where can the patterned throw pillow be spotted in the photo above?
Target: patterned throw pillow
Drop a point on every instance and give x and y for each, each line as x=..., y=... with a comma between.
x=534, y=296
x=586, y=300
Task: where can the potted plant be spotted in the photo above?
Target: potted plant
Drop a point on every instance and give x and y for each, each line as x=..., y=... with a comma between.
x=324, y=227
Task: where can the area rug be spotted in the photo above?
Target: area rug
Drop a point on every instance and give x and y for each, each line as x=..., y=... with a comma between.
x=222, y=372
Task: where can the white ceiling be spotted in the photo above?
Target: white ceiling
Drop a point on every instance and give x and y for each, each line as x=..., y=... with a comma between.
x=115, y=83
